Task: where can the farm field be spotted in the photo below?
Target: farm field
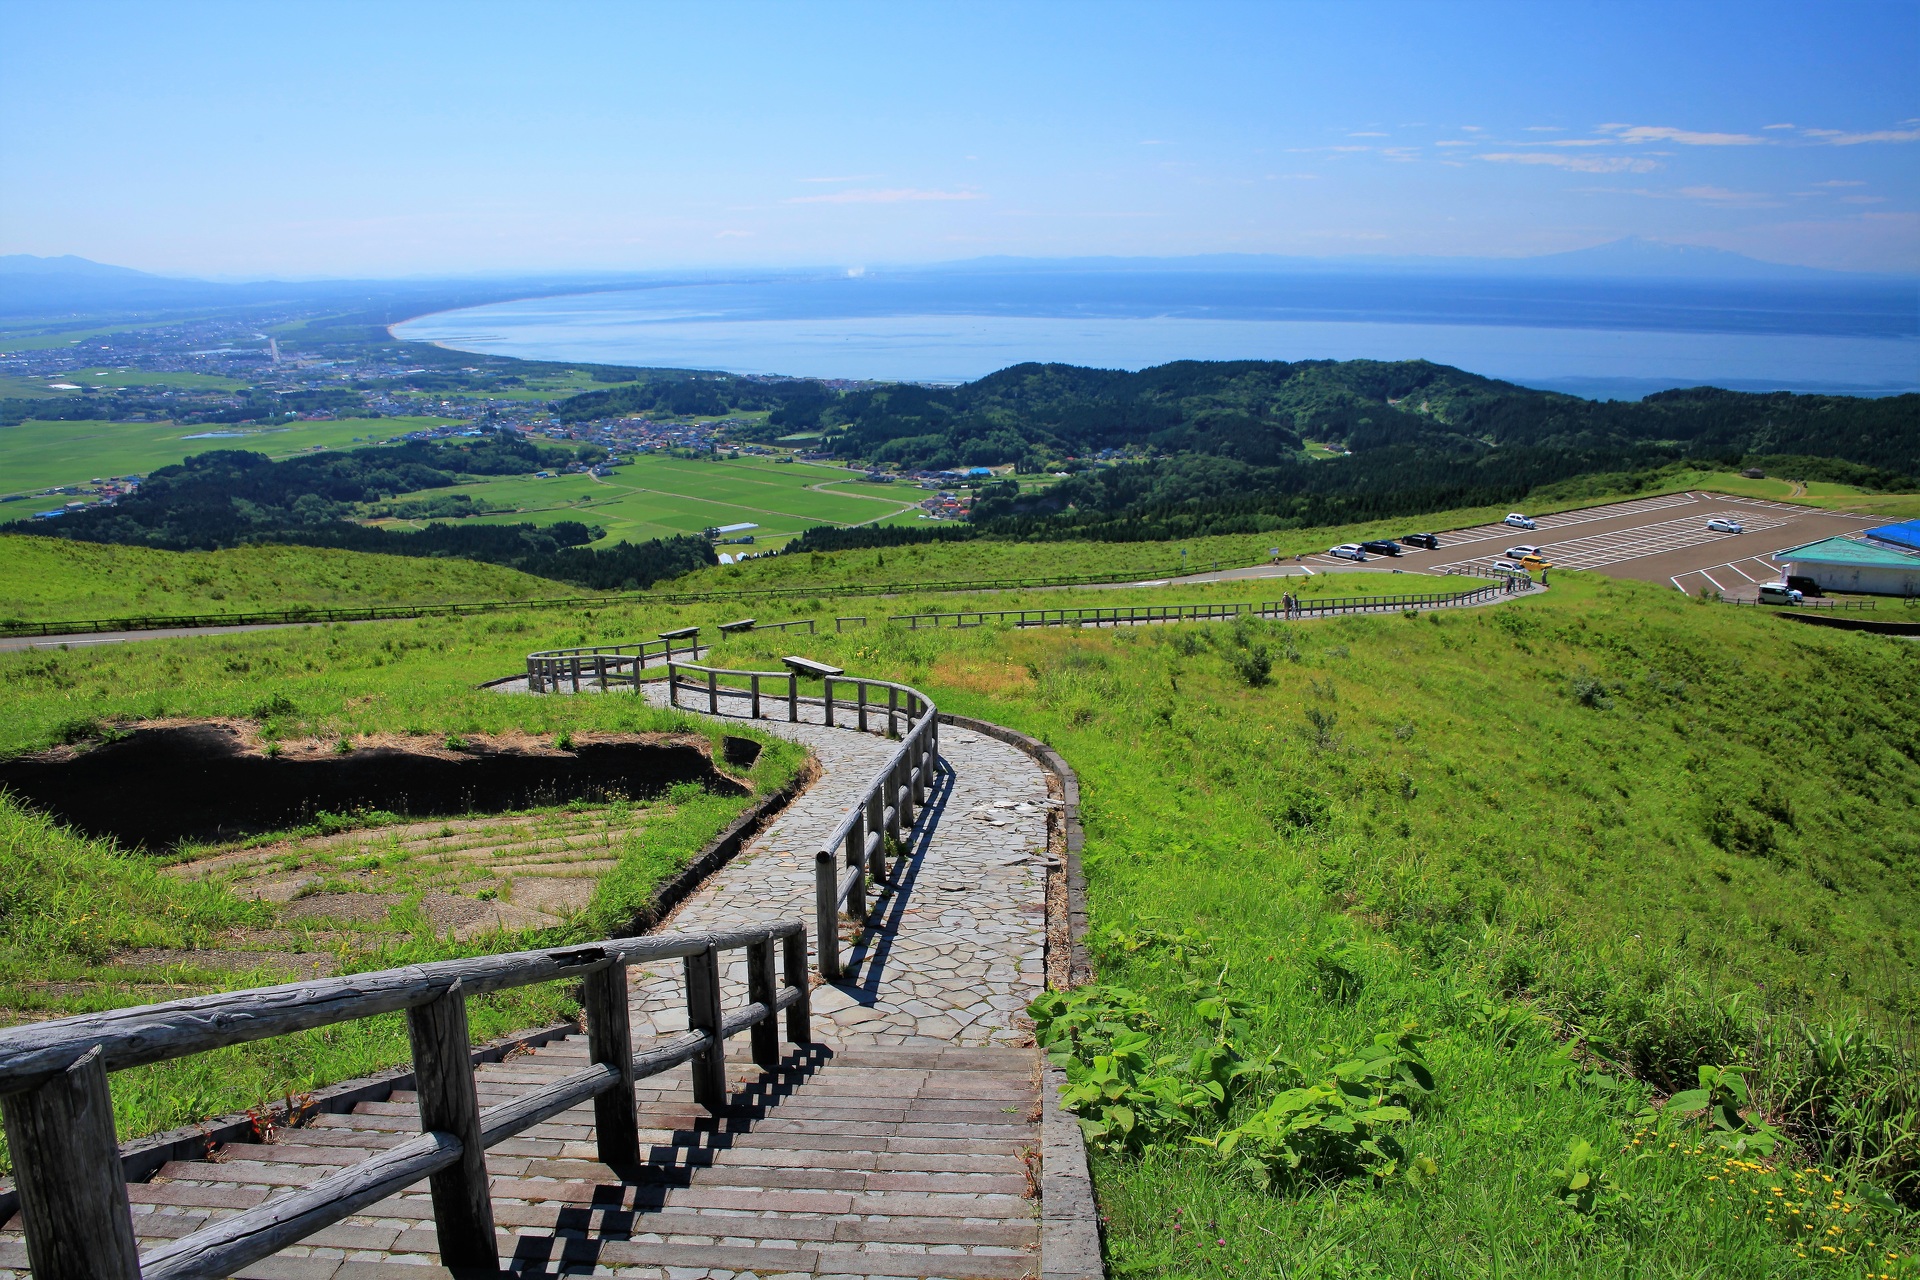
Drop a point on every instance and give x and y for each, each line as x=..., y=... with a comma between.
x=42, y=579
x=1586, y=841
x=111, y=378
x=659, y=497
x=39, y=454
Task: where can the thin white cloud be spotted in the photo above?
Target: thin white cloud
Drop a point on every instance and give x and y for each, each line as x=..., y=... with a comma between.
x=1544, y=128
x=1685, y=137
x=1400, y=153
x=1778, y=126
x=1724, y=196
x=1838, y=138
x=1863, y=199
x=1366, y=135
x=892, y=195
x=1578, y=164
x=1841, y=182
x=856, y=177
x=1456, y=142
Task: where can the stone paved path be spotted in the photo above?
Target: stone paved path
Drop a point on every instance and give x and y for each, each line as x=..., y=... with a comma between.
x=957, y=946
x=906, y=1143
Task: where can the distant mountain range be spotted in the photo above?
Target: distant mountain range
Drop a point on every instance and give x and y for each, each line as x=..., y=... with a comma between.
x=32, y=287
x=1631, y=258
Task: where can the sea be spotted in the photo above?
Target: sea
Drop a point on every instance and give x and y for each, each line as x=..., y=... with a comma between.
x=1599, y=338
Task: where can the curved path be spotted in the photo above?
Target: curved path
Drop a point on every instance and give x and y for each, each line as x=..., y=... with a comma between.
x=957, y=947
x=907, y=1141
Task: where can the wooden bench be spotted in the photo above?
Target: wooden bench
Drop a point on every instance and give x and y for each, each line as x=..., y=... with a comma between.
x=740, y=624
x=808, y=667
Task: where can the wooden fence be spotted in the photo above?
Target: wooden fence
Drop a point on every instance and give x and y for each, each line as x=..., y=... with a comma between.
x=859, y=844
x=604, y=666
x=1135, y=615
x=58, y=1108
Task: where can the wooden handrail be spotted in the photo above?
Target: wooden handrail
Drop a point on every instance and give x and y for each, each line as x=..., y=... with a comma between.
x=58, y=1108
x=855, y=851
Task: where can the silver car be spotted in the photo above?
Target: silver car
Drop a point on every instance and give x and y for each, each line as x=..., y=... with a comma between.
x=1720, y=524
x=1348, y=551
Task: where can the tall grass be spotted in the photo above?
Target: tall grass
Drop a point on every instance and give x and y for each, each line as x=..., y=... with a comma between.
x=1709, y=859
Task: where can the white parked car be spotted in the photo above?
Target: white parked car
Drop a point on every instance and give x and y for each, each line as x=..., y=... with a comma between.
x=1507, y=566
x=1348, y=551
x=1522, y=551
x=1721, y=525
x=1519, y=521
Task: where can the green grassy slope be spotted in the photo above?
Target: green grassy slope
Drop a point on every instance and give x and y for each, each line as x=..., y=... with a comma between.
x=44, y=579
x=1587, y=842
x=1664, y=832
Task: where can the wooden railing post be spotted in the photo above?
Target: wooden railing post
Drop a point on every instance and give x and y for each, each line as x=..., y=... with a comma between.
x=827, y=699
x=793, y=697
x=860, y=697
x=856, y=856
x=616, y=1118
x=826, y=913
x=793, y=972
x=893, y=712
x=703, y=1014
x=673, y=684
x=443, y=1077
x=890, y=800
x=713, y=693
x=66, y=1164
x=756, y=697
x=904, y=788
x=761, y=989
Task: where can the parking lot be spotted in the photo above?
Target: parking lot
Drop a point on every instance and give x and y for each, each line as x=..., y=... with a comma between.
x=1658, y=539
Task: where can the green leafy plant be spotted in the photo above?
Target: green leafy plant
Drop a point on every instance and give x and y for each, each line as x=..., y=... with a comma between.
x=1339, y=1120
x=1722, y=1095
x=1583, y=1183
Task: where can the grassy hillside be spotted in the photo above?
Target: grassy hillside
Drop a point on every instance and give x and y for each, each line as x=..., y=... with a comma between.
x=1587, y=842
x=44, y=579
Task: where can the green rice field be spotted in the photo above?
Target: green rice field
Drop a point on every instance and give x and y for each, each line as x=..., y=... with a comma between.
x=39, y=454
x=659, y=497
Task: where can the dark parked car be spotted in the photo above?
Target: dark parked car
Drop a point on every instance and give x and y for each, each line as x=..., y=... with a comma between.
x=1805, y=586
x=1426, y=540
x=1381, y=547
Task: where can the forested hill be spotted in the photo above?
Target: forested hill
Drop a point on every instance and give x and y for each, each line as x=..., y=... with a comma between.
x=1259, y=412
x=1216, y=447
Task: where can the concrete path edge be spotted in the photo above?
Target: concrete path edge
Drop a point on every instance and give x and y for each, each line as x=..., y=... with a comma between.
x=1069, y=1215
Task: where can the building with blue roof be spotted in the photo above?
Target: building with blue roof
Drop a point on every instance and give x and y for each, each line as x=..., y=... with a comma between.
x=1905, y=537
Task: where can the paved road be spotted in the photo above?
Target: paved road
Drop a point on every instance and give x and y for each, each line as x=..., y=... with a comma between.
x=83, y=639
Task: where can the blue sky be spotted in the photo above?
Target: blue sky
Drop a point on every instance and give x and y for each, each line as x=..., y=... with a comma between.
x=412, y=138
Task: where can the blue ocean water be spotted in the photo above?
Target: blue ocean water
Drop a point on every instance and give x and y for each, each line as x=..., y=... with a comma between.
x=1596, y=337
